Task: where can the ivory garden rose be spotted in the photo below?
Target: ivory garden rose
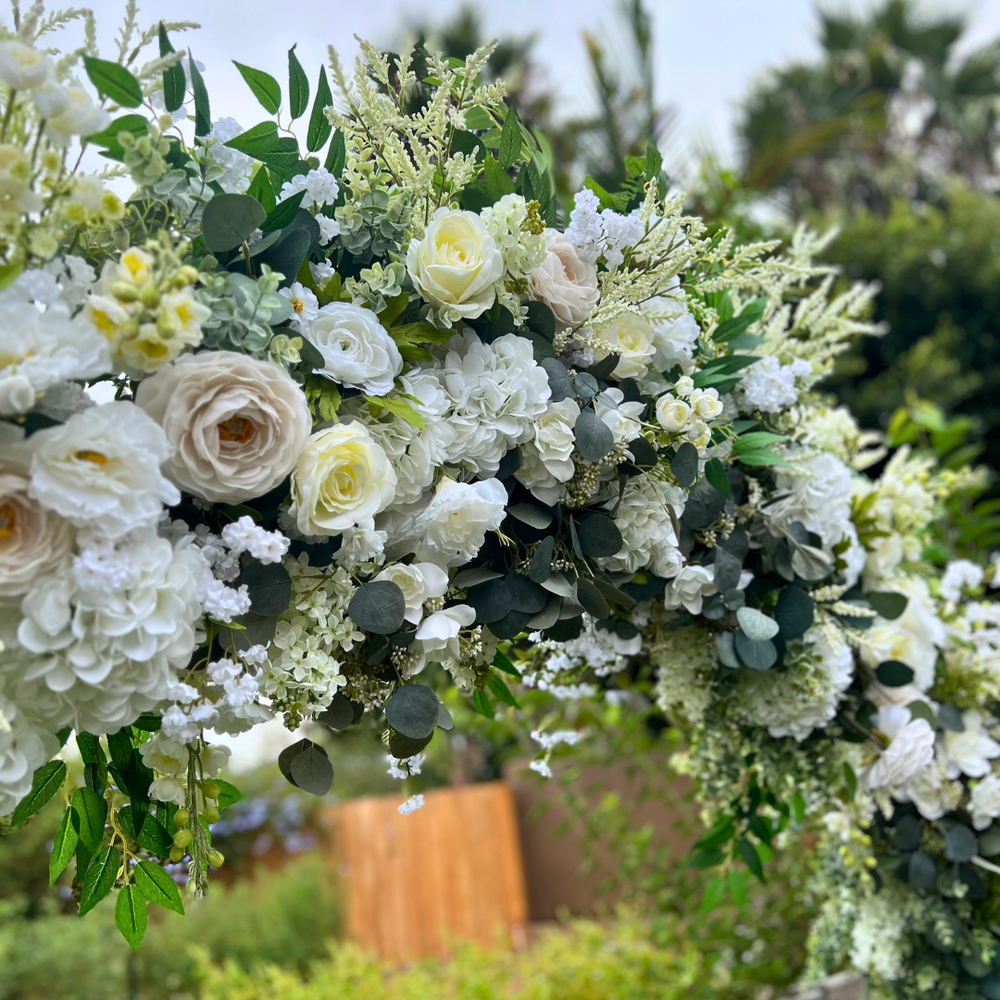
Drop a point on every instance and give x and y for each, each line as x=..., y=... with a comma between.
x=357, y=350
x=564, y=282
x=236, y=424
x=455, y=264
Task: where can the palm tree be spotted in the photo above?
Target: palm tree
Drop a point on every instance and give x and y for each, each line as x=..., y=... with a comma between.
x=888, y=109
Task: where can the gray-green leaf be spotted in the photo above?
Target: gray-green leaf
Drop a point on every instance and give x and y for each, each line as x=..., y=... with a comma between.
x=229, y=219
x=756, y=624
x=413, y=711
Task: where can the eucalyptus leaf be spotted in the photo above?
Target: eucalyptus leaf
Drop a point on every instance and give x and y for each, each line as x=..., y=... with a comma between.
x=960, y=844
x=401, y=746
x=892, y=673
x=921, y=870
x=889, y=605
x=492, y=600
x=758, y=654
x=756, y=624
x=684, y=465
x=339, y=714
x=412, y=711
x=560, y=384
x=511, y=625
x=794, y=612
x=312, y=770
x=378, y=607
x=725, y=648
x=591, y=599
x=541, y=561
x=525, y=595
x=269, y=586
x=598, y=535
x=531, y=514
x=229, y=219
x=594, y=439
x=951, y=719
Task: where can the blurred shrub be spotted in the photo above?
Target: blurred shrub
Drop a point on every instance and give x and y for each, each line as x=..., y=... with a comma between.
x=939, y=267
x=287, y=916
x=585, y=961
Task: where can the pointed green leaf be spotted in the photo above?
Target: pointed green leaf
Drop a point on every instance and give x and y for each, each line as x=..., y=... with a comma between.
x=715, y=473
x=336, y=155
x=500, y=690
x=260, y=188
x=264, y=86
x=510, y=140
x=257, y=141
x=113, y=81
x=47, y=780
x=298, y=86
x=174, y=81
x=715, y=890
x=130, y=914
x=750, y=856
x=89, y=813
x=319, y=127
x=482, y=704
x=63, y=847
x=737, y=882
x=100, y=878
x=157, y=886
x=202, y=109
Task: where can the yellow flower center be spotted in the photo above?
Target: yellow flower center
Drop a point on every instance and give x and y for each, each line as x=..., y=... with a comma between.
x=236, y=429
x=8, y=521
x=298, y=305
x=92, y=456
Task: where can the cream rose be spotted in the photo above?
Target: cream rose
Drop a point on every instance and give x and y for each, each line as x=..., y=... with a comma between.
x=237, y=425
x=456, y=264
x=419, y=582
x=564, y=282
x=343, y=477
x=672, y=414
x=356, y=348
x=632, y=338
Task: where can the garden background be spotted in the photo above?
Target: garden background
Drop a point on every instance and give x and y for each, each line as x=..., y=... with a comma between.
x=879, y=121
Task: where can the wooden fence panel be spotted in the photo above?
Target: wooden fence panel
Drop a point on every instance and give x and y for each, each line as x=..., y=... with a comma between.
x=451, y=871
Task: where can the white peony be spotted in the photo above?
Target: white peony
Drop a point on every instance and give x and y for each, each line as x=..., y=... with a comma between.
x=689, y=589
x=101, y=469
x=236, y=425
x=452, y=527
x=342, y=478
x=546, y=458
x=984, y=802
x=910, y=750
x=40, y=349
x=970, y=751
x=419, y=582
x=455, y=264
x=357, y=351
x=564, y=282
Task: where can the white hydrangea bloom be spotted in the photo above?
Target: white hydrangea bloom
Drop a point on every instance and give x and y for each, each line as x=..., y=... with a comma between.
x=960, y=574
x=644, y=519
x=238, y=166
x=769, y=386
x=320, y=186
x=23, y=748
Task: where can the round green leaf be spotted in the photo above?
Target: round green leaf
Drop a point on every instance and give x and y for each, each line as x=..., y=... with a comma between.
x=593, y=437
x=378, y=607
x=512, y=624
x=525, y=595
x=758, y=654
x=889, y=605
x=541, y=561
x=960, y=844
x=339, y=714
x=312, y=770
x=921, y=870
x=794, y=612
x=229, y=219
x=401, y=746
x=684, y=464
x=413, y=711
x=598, y=536
x=492, y=600
x=892, y=673
x=756, y=624
x=591, y=599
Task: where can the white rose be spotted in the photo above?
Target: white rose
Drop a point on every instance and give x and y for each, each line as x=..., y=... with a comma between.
x=632, y=337
x=546, y=459
x=455, y=264
x=672, y=414
x=621, y=417
x=689, y=589
x=341, y=478
x=564, y=282
x=453, y=526
x=419, y=582
x=101, y=469
x=236, y=425
x=911, y=748
x=70, y=111
x=970, y=751
x=984, y=802
x=706, y=403
x=356, y=349
x=437, y=637
x=23, y=67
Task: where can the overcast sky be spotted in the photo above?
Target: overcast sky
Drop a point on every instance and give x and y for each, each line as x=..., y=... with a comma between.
x=707, y=52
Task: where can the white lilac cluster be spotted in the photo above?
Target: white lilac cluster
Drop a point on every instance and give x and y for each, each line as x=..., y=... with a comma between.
x=596, y=233
x=769, y=386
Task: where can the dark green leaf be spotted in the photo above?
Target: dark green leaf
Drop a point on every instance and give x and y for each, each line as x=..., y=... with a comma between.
x=113, y=81
x=798, y=807
x=229, y=219
x=593, y=437
x=750, y=856
x=62, y=847
x=89, y=813
x=283, y=213
x=531, y=514
x=921, y=870
x=378, y=607
x=45, y=782
x=794, y=612
x=401, y=746
x=338, y=715
x=130, y=915
x=290, y=752
x=174, y=82
x=413, y=711
x=737, y=882
x=598, y=536
x=850, y=781
x=908, y=833
x=684, y=464
x=298, y=86
x=319, y=126
x=157, y=886
x=715, y=891
x=264, y=86
x=892, y=673
x=510, y=140
x=715, y=473
x=500, y=690
x=511, y=625
x=311, y=770
x=541, y=561
x=202, y=110
x=707, y=859
x=336, y=155
x=950, y=718
x=136, y=124
x=269, y=586
x=525, y=595
x=889, y=605
x=731, y=328
x=704, y=504
x=591, y=599
x=257, y=141
x=482, y=704
x=100, y=877
x=560, y=384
